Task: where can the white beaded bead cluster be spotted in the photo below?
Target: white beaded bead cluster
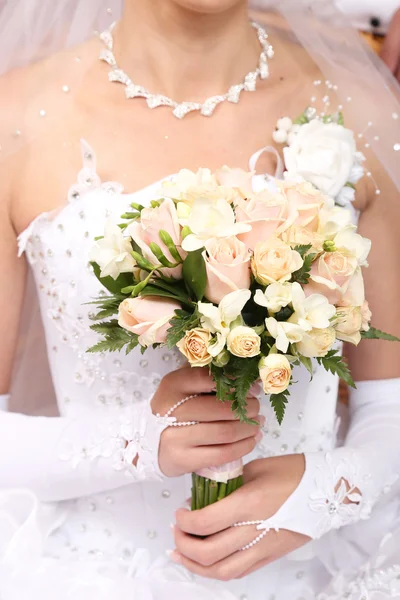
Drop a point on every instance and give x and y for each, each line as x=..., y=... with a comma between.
x=258, y=538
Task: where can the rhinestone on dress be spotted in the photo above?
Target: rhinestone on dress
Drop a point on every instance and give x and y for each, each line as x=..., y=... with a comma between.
x=180, y=110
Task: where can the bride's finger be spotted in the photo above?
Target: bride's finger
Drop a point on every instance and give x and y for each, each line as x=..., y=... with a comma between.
x=232, y=567
x=216, y=517
x=208, y=408
x=224, y=432
x=210, y=550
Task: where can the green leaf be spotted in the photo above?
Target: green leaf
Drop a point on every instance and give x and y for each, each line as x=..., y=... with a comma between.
x=159, y=254
x=194, y=273
x=376, y=334
x=106, y=327
x=108, y=306
x=303, y=274
x=302, y=249
x=279, y=402
x=168, y=241
x=132, y=344
x=180, y=324
x=340, y=119
x=152, y=290
x=223, y=384
x=307, y=363
x=113, y=285
x=337, y=365
x=242, y=373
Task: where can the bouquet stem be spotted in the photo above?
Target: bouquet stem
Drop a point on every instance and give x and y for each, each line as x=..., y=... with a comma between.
x=206, y=491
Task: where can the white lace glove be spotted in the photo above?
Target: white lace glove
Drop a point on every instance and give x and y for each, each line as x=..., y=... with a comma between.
x=342, y=486
x=60, y=458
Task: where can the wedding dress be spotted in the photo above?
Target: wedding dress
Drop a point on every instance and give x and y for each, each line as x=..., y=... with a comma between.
x=88, y=526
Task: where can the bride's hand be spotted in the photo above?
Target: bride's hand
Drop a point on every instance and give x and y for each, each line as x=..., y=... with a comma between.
x=218, y=438
x=268, y=484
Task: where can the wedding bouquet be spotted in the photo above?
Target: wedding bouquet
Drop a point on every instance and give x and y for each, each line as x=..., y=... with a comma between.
x=247, y=282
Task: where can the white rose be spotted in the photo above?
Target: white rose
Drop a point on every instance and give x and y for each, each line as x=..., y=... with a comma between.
x=317, y=342
x=275, y=373
x=332, y=220
x=275, y=297
x=322, y=153
x=182, y=185
x=113, y=252
x=244, y=342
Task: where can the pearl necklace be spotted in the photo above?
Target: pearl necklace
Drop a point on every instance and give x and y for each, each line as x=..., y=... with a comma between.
x=181, y=109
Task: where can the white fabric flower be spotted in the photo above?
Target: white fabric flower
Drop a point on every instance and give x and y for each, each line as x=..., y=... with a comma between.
x=113, y=252
x=217, y=319
x=357, y=171
x=346, y=196
x=284, y=333
x=312, y=312
x=209, y=219
x=322, y=153
x=275, y=297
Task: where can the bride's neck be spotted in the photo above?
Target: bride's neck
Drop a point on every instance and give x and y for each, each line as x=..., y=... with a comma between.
x=183, y=54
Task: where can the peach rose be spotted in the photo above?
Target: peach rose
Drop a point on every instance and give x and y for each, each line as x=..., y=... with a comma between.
x=195, y=347
x=297, y=235
x=366, y=316
x=349, y=324
x=275, y=373
x=265, y=212
x=354, y=292
x=317, y=342
x=147, y=317
x=147, y=230
x=228, y=267
x=274, y=261
x=330, y=275
x=244, y=342
x=305, y=203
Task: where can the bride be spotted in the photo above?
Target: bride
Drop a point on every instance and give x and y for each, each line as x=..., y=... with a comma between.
x=80, y=517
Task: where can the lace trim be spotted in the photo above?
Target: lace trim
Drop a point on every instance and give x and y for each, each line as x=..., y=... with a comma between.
x=134, y=433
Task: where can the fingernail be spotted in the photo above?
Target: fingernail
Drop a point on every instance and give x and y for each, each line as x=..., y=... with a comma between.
x=174, y=556
x=259, y=436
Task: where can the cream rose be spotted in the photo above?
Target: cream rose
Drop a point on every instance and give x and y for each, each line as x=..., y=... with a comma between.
x=275, y=373
x=274, y=261
x=305, y=203
x=323, y=154
x=317, y=342
x=331, y=273
x=265, y=212
x=297, y=235
x=195, y=347
x=147, y=317
x=228, y=267
x=349, y=324
x=244, y=342
x=366, y=316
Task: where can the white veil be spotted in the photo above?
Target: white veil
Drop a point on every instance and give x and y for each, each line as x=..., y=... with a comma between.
x=33, y=29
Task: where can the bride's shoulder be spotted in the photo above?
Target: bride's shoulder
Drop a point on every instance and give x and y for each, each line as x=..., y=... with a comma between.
x=37, y=95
